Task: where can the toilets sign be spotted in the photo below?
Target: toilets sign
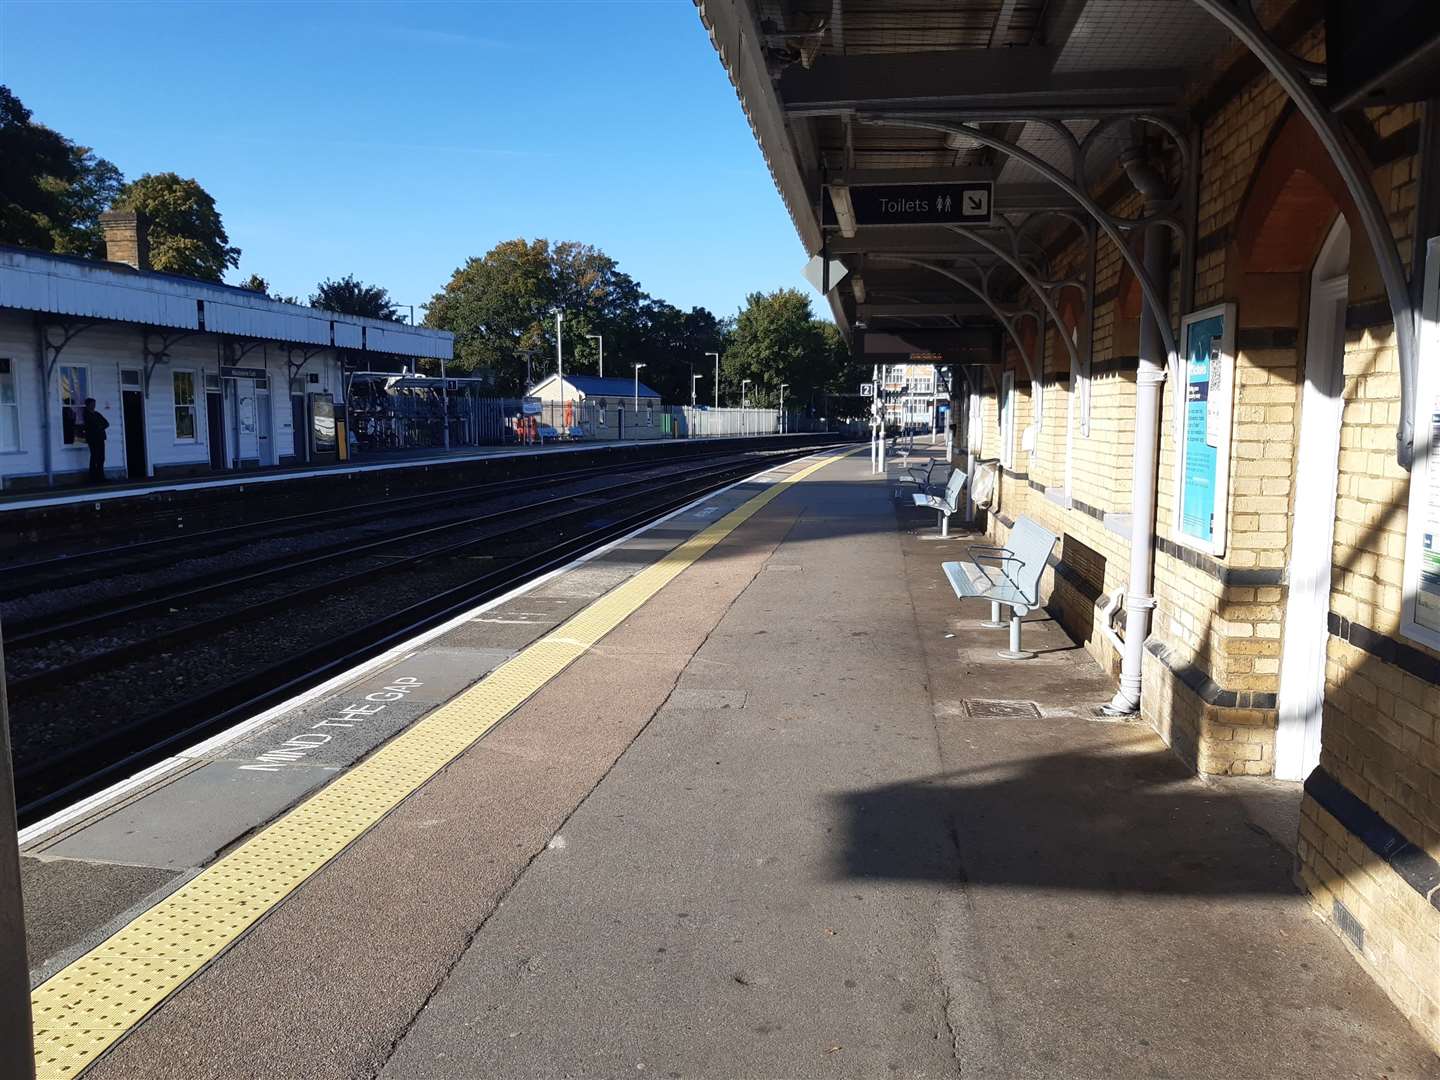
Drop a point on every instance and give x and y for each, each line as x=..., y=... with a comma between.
x=966, y=203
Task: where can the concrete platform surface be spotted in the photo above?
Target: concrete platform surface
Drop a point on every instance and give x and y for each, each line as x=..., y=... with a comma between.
x=794, y=818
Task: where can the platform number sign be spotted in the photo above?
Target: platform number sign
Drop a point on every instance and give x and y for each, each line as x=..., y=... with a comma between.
x=867, y=389
x=1206, y=400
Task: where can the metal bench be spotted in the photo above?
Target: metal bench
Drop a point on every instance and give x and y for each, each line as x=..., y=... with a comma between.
x=1006, y=575
x=922, y=476
x=945, y=503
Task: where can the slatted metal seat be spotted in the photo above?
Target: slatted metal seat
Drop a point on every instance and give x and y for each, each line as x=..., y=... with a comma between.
x=945, y=503
x=922, y=476
x=1007, y=575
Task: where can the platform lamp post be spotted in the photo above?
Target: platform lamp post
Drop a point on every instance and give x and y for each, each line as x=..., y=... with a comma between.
x=783, y=425
x=17, y=1039
x=716, y=355
x=601, y=339
x=637, y=368
x=559, y=361
x=693, y=380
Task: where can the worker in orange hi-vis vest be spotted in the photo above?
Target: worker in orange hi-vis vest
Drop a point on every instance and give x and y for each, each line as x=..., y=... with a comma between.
x=569, y=414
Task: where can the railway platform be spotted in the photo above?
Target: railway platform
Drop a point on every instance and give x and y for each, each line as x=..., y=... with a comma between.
x=745, y=794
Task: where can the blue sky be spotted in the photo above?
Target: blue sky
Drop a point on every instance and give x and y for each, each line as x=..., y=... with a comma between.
x=393, y=141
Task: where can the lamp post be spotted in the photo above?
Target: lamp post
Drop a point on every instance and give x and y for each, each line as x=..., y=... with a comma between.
x=744, y=384
x=716, y=355
x=783, y=385
x=601, y=339
x=693, y=380
x=559, y=361
x=637, y=368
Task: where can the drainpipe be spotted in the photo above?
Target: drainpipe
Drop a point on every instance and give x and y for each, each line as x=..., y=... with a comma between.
x=1149, y=384
x=45, y=423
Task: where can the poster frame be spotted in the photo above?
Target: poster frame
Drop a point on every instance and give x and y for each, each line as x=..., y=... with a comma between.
x=1215, y=546
x=1429, y=357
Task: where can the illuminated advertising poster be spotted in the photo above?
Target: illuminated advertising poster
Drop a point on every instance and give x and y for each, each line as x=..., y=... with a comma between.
x=1206, y=398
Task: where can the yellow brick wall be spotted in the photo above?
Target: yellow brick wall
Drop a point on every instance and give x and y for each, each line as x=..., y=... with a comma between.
x=1381, y=735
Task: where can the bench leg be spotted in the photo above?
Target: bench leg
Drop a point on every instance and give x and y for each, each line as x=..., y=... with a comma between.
x=944, y=525
x=995, y=622
x=1015, y=652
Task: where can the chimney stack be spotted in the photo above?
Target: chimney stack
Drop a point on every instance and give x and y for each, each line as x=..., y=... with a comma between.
x=127, y=237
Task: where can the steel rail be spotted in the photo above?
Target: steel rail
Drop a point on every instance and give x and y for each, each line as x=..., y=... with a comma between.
x=21, y=633
x=245, y=532
x=143, y=741
x=60, y=674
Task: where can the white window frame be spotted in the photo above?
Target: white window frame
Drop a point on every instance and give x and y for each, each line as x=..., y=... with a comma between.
x=1007, y=420
x=1425, y=445
x=79, y=442
x=175, y=406
x=14, y=376
x=1216, y=545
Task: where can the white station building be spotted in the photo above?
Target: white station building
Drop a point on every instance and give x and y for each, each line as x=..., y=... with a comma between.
x=194, y=377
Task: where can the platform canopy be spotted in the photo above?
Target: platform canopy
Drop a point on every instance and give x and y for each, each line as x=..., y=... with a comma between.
x=946, y=151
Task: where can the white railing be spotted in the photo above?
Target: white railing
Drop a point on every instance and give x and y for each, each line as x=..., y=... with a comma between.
x=709, y=423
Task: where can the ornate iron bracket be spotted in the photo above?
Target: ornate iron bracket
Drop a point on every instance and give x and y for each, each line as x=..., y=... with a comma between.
x=1296, y=79
x=152, y=357
x=293, y=369
x=52, y=348
x=1073, y=185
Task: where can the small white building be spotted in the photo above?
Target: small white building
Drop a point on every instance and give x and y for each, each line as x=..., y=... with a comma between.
x=592, y=388
x=194, y=377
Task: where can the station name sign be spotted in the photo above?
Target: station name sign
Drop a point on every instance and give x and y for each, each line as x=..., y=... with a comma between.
x=969, y=202
x=242, y=373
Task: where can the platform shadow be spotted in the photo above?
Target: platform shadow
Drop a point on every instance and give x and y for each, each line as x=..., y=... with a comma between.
x=1119, y=822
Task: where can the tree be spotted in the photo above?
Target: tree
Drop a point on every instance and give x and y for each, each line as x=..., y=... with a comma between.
x=351, y=297
x=256, y=283
x=97, y=182
x=29, y=156
x=777, y=339
x=187, y=235
x=502, y=305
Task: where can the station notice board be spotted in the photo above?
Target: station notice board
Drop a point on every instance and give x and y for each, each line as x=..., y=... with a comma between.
x=1206, y=398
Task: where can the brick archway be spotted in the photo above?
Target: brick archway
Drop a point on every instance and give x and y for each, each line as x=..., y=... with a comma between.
x=1291, y=204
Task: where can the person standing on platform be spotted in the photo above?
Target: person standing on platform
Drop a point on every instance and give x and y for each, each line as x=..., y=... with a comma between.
x=95, y=425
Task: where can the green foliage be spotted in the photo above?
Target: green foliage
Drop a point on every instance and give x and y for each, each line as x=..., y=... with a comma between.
x=777, y=339
x=186, y=234
x=51, y=191
x=256, y=283
x=502, y=305
x=351, y=297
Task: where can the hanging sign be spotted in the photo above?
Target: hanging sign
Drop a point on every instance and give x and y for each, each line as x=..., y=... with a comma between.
x=242, y=373
x=968, y=202
x=1206, y=398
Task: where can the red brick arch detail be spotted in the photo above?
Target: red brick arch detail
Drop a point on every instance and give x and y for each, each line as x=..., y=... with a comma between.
x=1070, y=311
x=1291, y=203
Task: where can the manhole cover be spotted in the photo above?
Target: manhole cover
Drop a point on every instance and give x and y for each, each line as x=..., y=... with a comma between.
x=1002, y=710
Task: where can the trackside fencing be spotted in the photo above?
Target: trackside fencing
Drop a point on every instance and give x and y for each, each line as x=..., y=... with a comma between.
x=709, y=423
x=388, y=412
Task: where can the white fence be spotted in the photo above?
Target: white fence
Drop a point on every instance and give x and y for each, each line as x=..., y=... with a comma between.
x=394, y=414
x=707, y=423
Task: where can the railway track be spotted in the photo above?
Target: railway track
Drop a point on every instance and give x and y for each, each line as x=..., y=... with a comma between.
x=242, y=649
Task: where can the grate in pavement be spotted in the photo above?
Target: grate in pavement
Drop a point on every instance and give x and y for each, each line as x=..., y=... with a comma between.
x=1002, y=710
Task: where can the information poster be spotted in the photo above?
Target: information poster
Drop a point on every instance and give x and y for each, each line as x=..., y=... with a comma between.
x=1206, y=399
x=1421, y=619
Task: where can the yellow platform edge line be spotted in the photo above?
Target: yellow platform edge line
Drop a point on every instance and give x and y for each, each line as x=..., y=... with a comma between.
x=90, y=1004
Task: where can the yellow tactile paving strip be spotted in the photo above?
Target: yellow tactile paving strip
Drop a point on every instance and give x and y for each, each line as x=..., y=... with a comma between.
x=89, y=1005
